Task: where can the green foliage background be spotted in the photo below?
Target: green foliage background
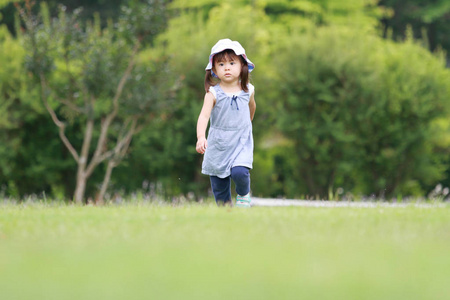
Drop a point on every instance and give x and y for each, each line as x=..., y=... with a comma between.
x=349, y=102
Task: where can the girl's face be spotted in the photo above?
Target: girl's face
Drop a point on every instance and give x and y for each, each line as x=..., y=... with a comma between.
x=227, y=66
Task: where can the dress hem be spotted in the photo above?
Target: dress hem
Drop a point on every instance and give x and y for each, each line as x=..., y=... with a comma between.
x=224, y=175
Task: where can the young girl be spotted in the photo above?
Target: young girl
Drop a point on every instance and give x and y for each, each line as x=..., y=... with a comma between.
x=230, y=105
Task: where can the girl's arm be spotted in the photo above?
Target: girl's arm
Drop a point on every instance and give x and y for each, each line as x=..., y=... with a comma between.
x=252, y=106
x=202, y=123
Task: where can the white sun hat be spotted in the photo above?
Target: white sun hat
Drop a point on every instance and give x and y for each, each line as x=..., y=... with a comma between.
x=228, y=44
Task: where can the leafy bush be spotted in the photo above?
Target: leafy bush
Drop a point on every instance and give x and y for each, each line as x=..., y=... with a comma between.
x=360, y=110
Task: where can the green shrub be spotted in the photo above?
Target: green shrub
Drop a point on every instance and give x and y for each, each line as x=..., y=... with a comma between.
x=360, y=110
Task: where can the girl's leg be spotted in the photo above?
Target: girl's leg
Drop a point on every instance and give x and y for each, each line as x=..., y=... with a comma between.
x=241, y=178
x=221, y=189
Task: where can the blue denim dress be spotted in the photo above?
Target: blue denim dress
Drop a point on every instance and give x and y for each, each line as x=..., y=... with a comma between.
x=230, y=137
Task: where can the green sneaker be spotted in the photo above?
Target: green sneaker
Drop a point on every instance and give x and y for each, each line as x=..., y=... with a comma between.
x=243, y=201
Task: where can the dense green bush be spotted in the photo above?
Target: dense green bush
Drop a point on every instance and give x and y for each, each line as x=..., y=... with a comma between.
x=29, y=161
x=360, y=110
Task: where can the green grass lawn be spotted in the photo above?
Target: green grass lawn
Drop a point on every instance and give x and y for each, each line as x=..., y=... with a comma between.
x=205, y=252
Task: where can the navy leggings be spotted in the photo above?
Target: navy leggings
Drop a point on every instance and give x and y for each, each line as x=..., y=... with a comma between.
x=221, y=187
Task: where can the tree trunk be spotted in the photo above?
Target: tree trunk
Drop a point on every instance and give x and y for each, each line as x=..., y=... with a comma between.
x=106, y=180
x=81, y=185
x=82, y=175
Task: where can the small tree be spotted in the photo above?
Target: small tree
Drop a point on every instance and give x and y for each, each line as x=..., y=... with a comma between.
x=97, y=81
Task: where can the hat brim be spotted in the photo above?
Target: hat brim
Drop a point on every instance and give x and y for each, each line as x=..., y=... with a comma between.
x=251, y=65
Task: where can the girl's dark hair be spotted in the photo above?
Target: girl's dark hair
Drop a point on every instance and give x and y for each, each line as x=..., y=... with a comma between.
x=227, y=55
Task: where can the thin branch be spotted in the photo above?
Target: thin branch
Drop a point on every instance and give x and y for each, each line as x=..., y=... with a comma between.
x=118, y=152
x=55, y=119
x=125, y=140
x=115, y=161
x=87, y=141
x=104, y=156
x=123, y=145
x=70, y=105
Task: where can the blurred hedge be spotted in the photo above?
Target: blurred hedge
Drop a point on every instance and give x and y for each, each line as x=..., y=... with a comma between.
x=360, y=112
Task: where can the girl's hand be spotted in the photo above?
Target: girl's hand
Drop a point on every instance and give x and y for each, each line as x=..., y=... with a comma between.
x=202, y=144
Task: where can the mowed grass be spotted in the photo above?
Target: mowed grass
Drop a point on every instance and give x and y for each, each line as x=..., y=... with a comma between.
x=144, y=251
